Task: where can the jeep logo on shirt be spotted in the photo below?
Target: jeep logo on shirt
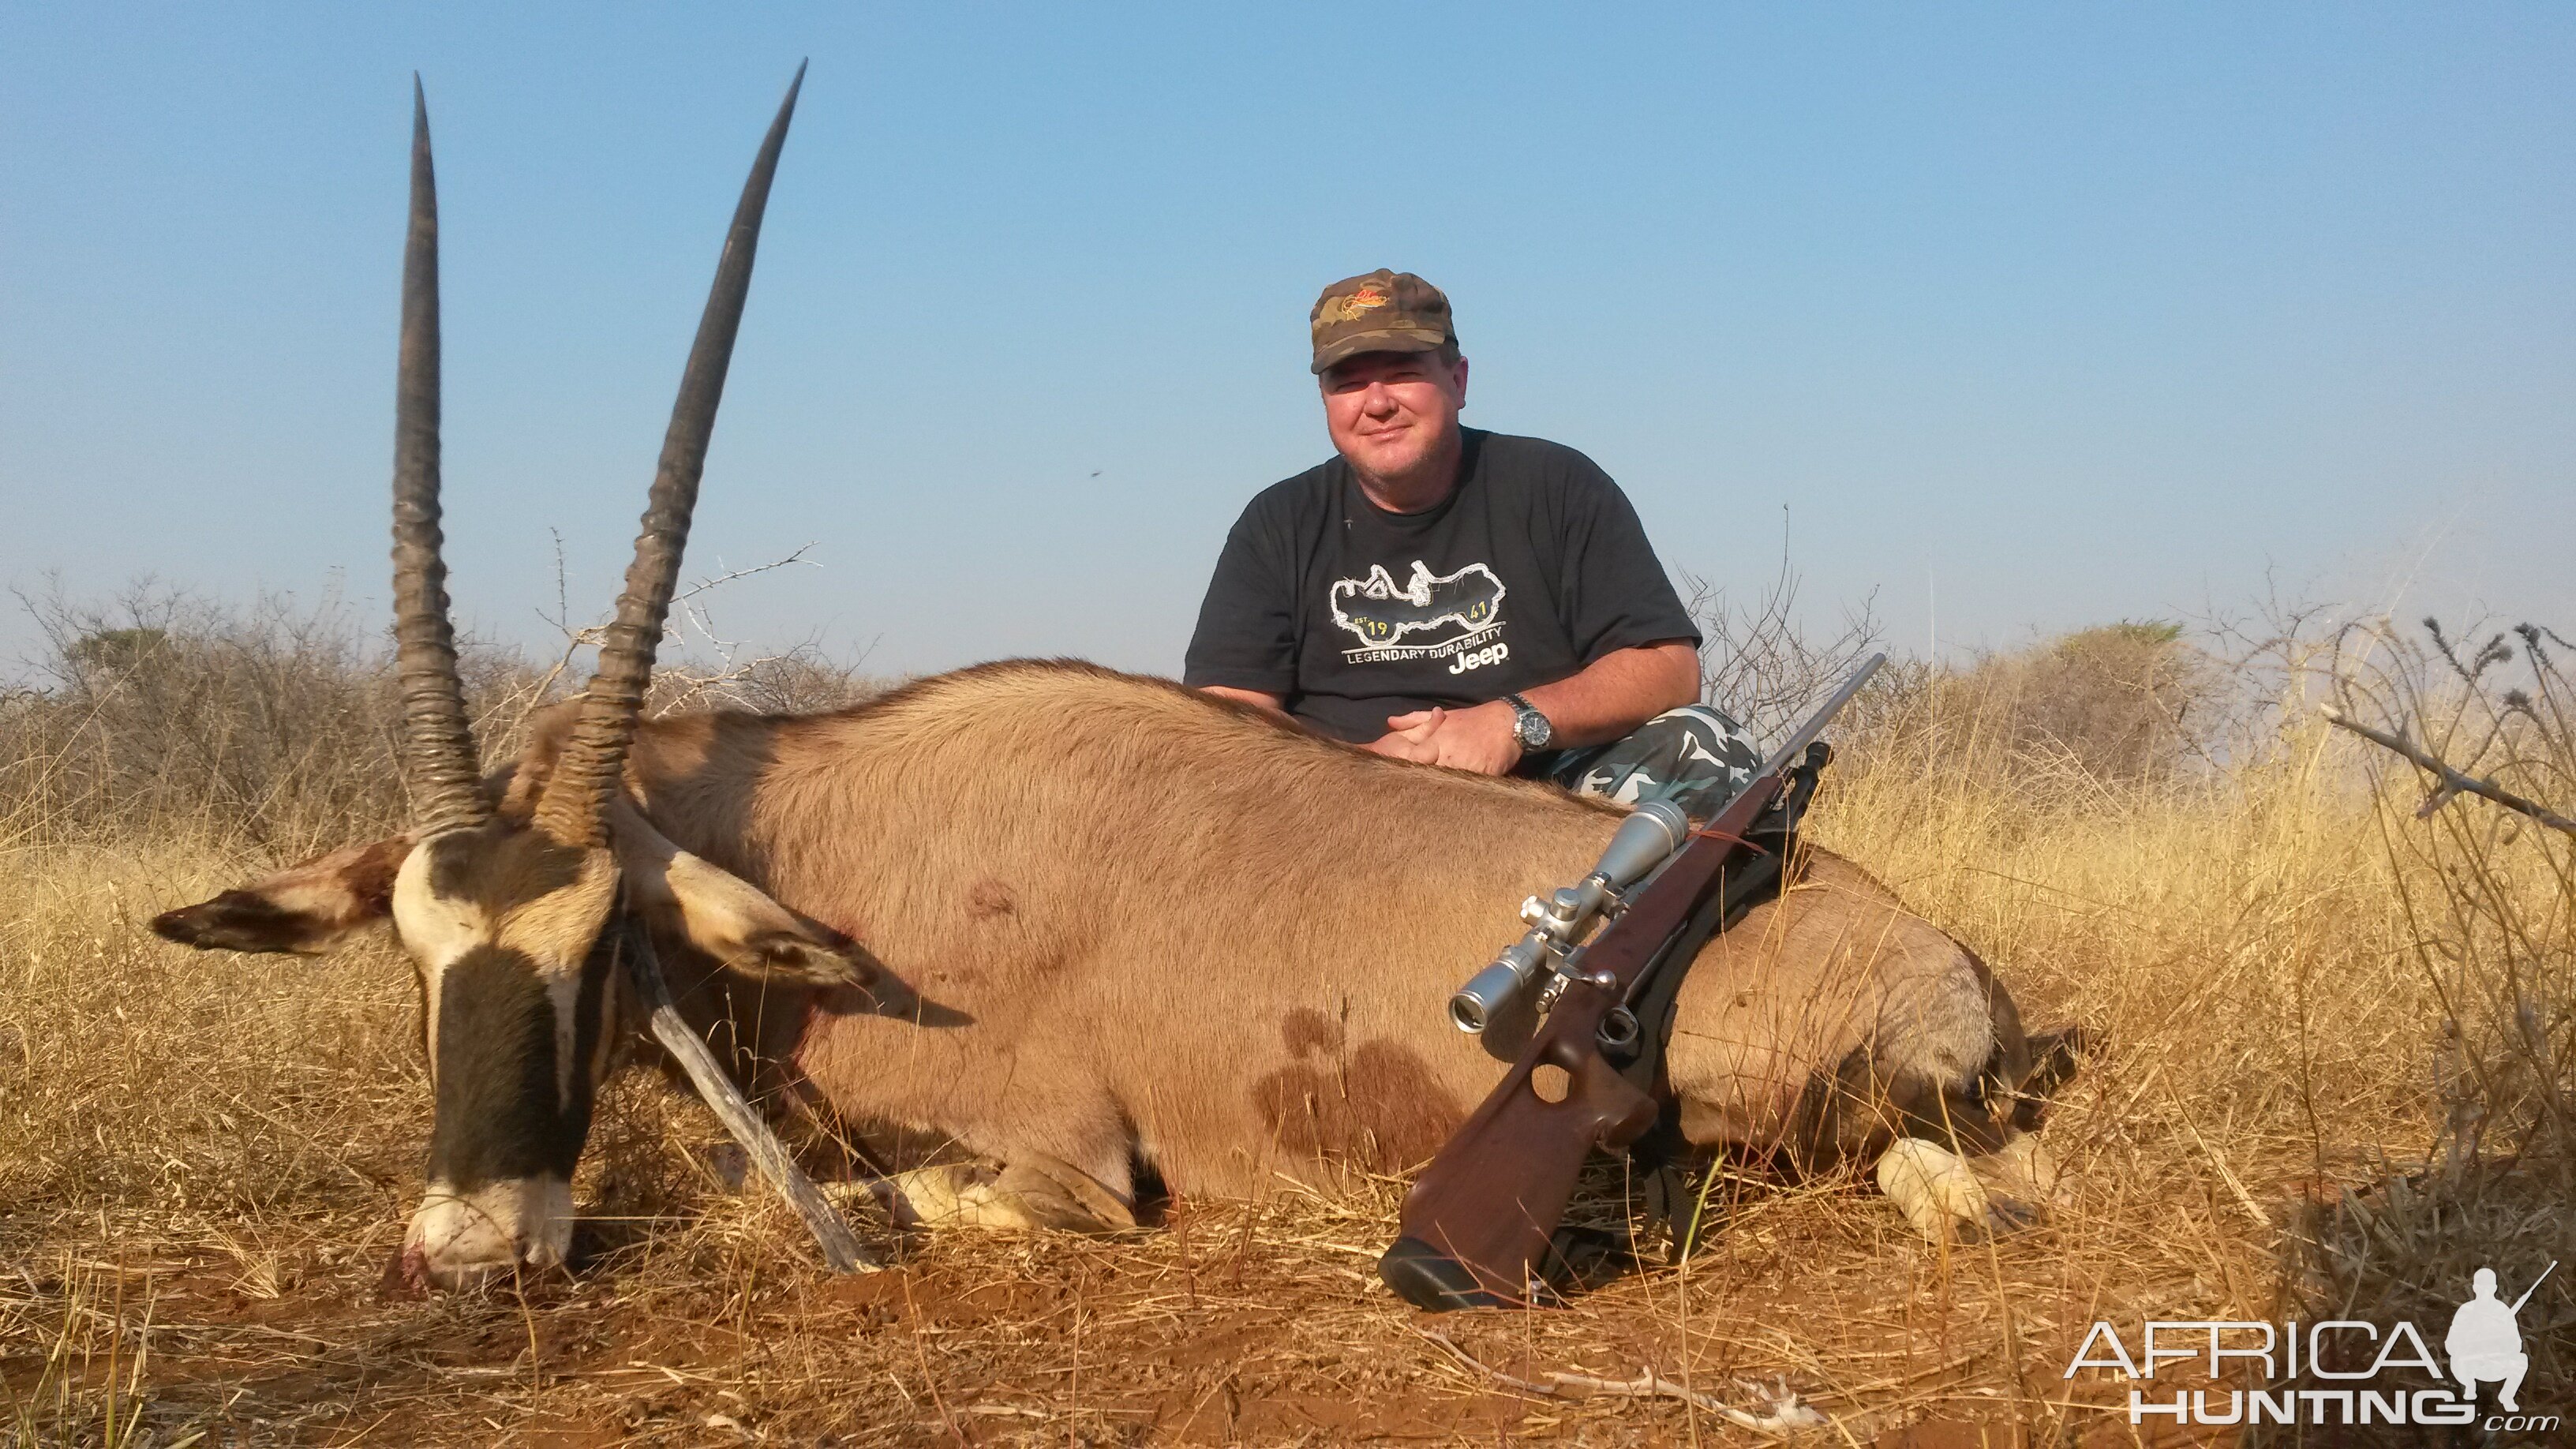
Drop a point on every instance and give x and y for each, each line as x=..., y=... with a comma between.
x=1466, y=605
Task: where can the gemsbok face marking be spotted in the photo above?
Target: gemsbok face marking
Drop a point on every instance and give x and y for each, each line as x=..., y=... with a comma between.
x=509, y=920
x=519, y=991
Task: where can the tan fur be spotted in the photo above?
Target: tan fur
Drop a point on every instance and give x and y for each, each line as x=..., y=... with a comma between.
x=1157, y=926
x=1032, y=1192
x=307, y=908
x=1090, y=920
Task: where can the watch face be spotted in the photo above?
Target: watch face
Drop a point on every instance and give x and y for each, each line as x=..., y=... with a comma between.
x=1533, y=730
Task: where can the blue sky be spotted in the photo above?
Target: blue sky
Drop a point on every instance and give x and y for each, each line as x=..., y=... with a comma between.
x=2067, y=313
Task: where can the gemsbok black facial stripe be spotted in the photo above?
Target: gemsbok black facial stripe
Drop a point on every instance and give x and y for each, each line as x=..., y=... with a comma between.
x=502, y=1111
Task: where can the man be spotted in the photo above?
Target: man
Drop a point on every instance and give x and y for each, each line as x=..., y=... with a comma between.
x=1458, y=597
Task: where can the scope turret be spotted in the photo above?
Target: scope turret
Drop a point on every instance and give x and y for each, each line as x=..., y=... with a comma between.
x=1646, y=839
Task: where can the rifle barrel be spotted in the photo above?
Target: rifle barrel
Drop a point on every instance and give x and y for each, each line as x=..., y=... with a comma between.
x=1814, y=725
x=2535, y=1286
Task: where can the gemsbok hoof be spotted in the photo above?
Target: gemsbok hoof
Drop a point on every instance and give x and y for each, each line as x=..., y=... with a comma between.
x=1942, y=1198
x=1034, y=1192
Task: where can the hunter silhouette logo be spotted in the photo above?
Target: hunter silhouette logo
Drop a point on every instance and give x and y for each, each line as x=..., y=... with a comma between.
x=1382, y=614
x=2485, y=1342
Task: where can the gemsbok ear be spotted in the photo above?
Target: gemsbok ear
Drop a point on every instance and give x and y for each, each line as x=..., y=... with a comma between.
x=723, y=915
x=308, y=908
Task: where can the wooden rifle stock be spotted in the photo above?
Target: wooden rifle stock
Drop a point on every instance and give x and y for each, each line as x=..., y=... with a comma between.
x=1477, y=1223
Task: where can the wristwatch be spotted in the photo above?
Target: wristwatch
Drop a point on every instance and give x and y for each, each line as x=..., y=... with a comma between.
x=1528, y=725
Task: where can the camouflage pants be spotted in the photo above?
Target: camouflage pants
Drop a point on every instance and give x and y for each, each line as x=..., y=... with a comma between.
x=1693, y=756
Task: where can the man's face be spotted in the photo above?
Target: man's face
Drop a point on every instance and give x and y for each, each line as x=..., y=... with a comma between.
x=1391, y=412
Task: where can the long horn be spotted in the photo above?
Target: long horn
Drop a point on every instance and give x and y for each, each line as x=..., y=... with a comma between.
x=574, y=806
x=438, y=743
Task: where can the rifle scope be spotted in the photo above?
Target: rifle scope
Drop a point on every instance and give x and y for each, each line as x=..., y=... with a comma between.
x=1645, y=840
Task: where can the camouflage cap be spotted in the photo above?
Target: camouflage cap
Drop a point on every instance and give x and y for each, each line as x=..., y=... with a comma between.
x=1381, y=312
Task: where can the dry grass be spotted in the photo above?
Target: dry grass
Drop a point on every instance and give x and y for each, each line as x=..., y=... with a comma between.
x=205, y=1161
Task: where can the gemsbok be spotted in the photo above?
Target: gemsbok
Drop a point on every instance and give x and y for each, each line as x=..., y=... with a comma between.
x=1041, y=929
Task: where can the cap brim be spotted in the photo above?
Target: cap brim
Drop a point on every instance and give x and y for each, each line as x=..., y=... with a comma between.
x=1392, y=339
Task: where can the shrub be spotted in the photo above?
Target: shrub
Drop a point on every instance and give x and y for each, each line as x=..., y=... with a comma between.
x=274, y=727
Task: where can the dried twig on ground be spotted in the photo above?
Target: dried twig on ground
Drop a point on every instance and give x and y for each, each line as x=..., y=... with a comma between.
x=1786, y=1415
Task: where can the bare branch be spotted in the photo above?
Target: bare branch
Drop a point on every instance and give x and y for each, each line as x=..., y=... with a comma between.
x=1758, y=662
x=2453, y=782
x=793, y=556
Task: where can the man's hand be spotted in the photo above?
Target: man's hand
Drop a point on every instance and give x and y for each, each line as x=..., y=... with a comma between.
x=1611, y=696
x=1481, y=739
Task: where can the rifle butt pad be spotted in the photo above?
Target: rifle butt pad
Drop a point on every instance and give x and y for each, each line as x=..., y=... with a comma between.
x=1428, y=1278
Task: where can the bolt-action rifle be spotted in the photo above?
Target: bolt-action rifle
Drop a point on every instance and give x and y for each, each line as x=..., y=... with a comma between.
x=1478, y=1223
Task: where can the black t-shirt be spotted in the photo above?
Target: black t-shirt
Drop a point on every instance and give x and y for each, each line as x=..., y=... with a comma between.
x=1534, y=567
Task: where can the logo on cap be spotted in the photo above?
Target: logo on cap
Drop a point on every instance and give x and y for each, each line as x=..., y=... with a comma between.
x=1350, y=307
